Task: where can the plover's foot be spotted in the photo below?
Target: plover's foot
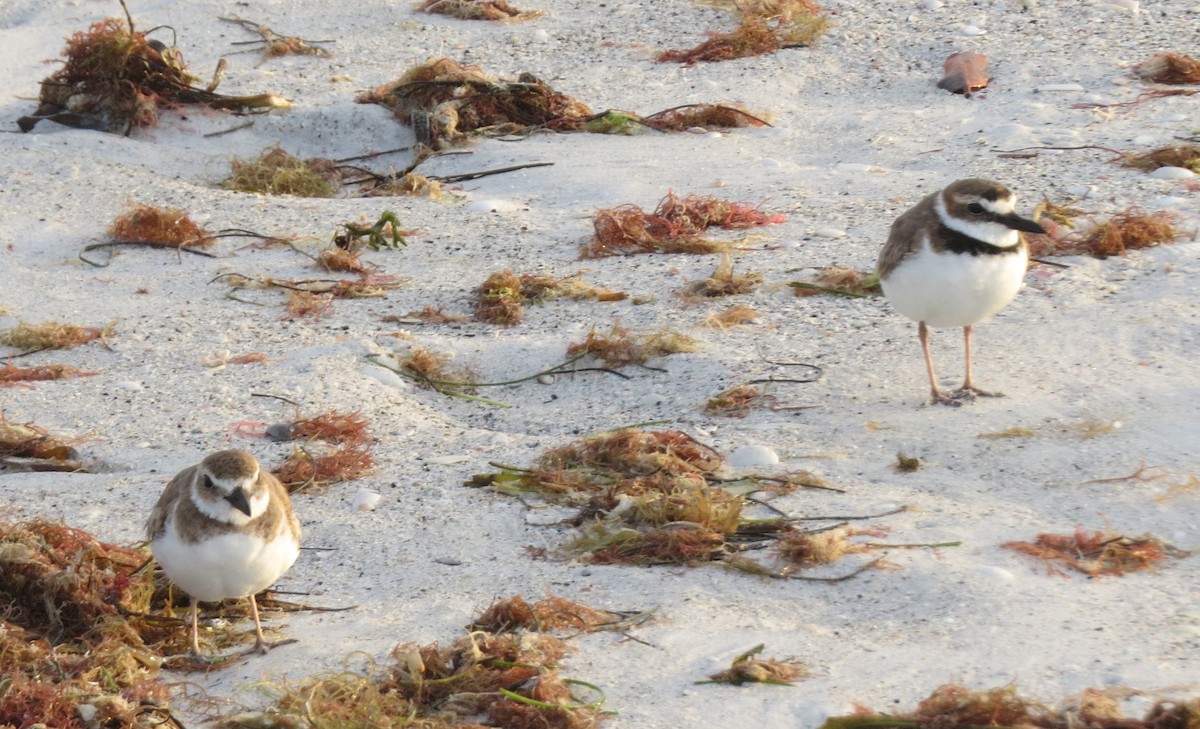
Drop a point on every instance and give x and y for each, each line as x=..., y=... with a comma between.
x=970, y=393
x=940, y=398
x=261, y=647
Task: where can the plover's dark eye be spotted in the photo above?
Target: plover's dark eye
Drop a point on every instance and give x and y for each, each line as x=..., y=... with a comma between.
x=975, y=208
x=207, y=482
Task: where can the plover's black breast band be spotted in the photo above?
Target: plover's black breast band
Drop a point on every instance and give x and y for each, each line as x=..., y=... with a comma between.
x=957, y=242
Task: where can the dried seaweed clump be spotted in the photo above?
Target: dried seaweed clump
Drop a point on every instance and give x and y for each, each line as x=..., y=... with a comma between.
x=275, y=172
x=304, y=470
x=621, y=348
x=675, y=226
x=11, y=375
x=66, y=647
x=506, y=680
x=114, y=79
x=734, y=316
x=445, y=102
x=1097, y=553
x=953, y=706
x=750, y=668
x=410, y=184
x=1128, y=230
x=30, y=441
x=476, y=9
x=1181, y=155
x=839, y=281
x=50, y=335
x=650, y=498
x=1169, y=68
x=150, y=224
x=765, y=26
x=506, y=615
x=340, y=259
x=702, y=117
x=724, y=282
x=502, y=297
x=737, y=401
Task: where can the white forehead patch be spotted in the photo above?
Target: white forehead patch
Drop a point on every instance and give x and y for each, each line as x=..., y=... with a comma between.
x=1002, y=206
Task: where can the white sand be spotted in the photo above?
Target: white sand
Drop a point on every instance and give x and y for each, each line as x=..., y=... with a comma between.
x=860, y=134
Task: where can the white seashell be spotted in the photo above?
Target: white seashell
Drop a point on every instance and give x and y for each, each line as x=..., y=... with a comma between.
x=1056, y=88
x=971, y=30
x=829, y=233
x=753, y=456
x=1172, y=173
x=365, y=500
x=447, y=460
x=129, y=385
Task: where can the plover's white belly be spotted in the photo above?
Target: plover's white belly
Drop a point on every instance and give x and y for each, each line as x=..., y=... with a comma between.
x=229, y=565
x=954, y=289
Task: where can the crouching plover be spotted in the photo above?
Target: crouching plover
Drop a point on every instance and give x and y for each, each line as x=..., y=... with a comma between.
x=224, y=528
x=953, y=260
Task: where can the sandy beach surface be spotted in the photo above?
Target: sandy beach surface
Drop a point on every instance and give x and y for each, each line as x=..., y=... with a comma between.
x=1098, y=360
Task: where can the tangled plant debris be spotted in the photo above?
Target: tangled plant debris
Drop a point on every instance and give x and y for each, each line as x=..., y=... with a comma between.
x=1130, y=229
x=51, y=335
x=1169, y=68
x=749, y=667
x=675, y=226
x=507, y=678
x=953, y=706
x=765, y=26
x=11, y=375
x=150, y=224
x=1180, y=155
x=661, y=497
x=276, y=172
x=275, y=45
x=501, y=299
x=839, y=281
x=1098, y=554
x=115, y=78
x=476, y=9
x=724, y=282
x=446, y=102
x=620, y=348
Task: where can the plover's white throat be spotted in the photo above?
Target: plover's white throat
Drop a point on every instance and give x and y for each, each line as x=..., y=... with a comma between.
x=954, y=259
x=222, y=529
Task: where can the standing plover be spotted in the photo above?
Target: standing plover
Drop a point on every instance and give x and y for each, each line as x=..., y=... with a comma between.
x=224, y=528
x=953, y=260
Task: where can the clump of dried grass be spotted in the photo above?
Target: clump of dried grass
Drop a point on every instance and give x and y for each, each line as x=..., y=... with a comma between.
x=432, y=315
x=724, y=282
x=764, y=27
x=332, y=426
x=276, y=45
x=1097, y=553
x=11, y=375
x=50, y=335
x=750, y=668
x=840, y=281
x=434, y=370
x=702, y=117
x=150, y=224
x=737, y=401
x=508, y=680
x=675, y=226
x=27, y=440
x=1131, y=229
x=1180, y=155
x=506, y=615
x=275, y=172
x=306, y=470
x=409, y=185
x=340, y=259
x=502, y=297
x=307, y=305
x=809, y=549
x=621, y=348
x=1169, y=68
x=953, y=706
x=115, y=78
x=475, y=9
x=65, y=642
x=734, y=316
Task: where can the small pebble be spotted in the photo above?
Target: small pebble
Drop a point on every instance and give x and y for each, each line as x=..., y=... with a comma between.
x=1052, y=88
x=1133, y=6
x=1172, y=173
x=829, y=233
x=1079, y=191
x=753, y=456
x=365, y=500
x=768, y=162
x=546, y=379
x=447, y=460
x=972, y=30
x=129, y=385
x=280, y=431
